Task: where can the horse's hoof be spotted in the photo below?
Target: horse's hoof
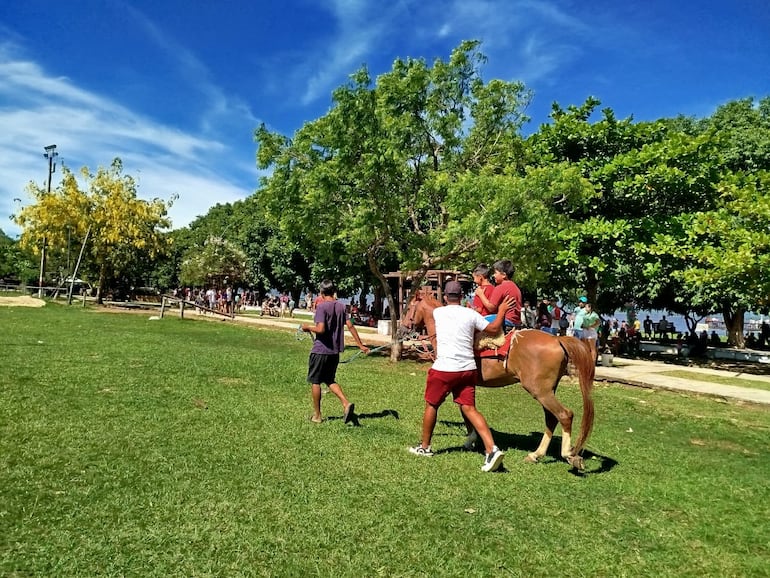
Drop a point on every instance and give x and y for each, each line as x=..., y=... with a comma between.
x=576, y=462
x=531, y=459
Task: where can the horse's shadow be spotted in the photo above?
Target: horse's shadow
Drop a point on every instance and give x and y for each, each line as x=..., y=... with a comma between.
x=528, y=443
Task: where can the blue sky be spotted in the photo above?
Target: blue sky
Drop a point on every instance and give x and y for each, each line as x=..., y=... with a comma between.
x=176, y=87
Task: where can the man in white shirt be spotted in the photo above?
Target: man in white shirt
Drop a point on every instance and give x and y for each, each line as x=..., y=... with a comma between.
x=455, y=372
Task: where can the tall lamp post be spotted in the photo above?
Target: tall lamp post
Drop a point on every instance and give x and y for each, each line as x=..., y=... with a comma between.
x=50, y=154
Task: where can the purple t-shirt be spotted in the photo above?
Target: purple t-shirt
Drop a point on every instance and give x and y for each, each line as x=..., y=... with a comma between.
x=333, y=316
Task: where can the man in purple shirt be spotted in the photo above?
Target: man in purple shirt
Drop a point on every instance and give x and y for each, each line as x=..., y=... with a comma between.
x=329, y=330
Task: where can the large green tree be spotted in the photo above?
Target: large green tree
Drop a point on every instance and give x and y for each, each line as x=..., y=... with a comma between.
x=422, y=169
x=598, y=254
x=721, y=246
x=725, y=252
x=272, y=259
x=218, y=263
x=644, y=239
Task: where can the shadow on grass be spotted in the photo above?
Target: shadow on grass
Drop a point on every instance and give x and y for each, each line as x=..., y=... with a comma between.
x=379, y=415
x=595, y=463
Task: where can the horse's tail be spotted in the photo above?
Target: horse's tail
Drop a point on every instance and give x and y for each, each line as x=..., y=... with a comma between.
x=580, y=356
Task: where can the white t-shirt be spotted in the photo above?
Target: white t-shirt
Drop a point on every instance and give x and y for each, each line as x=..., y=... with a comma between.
x=456, y=327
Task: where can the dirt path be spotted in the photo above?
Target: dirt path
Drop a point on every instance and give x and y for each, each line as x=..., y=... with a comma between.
x=21, y=301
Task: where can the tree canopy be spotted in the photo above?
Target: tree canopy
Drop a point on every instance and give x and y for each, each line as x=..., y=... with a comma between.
x=421, y=169
x=425, y=166
x=125, y=232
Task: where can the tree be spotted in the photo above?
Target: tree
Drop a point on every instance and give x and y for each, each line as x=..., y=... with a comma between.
x=272, y=259
x=598, y=254
x=402, y=171
x=726, y=250
x=721, y=247
x=125, y=232
x=15, y=263
x=650, y=178
x=674, y=215
x=219, y=262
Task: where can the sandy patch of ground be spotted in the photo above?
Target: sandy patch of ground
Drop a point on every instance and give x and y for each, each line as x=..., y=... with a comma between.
x=21, y=301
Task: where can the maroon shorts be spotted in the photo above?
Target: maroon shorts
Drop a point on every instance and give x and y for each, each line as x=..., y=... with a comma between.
x=461, y=384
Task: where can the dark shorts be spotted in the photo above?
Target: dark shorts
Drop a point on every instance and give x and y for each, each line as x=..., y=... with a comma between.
x=461, y=384
x=322, y=368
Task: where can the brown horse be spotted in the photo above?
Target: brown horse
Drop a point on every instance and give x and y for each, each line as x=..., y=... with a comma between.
x=537, y=360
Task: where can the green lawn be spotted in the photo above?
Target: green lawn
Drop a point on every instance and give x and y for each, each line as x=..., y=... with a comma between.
x=133, y=447
x=736, y=381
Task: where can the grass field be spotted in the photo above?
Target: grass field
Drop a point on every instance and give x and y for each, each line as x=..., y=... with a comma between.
x=132, y=447
x=736, y=381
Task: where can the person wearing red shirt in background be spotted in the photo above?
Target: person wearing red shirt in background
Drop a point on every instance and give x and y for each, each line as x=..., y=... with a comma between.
x=485, y=288
x=504, y=287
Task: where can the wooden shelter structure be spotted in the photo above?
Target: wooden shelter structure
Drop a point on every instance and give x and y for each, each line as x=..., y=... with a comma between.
x=433, y=282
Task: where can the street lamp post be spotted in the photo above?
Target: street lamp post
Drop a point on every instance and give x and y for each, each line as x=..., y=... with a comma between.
x=50, y=154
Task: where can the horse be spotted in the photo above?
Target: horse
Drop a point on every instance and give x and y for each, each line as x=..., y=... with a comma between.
x=537, y=360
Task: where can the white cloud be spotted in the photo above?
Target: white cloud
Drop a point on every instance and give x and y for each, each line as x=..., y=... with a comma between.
x=356, y=36
x=38, y=109
x=529, y=40
x=523, y=39
x=219, y=107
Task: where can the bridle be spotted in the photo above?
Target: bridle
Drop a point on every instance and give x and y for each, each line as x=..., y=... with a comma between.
x=406, y=327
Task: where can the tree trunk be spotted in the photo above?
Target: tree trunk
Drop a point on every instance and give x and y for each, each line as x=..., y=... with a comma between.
x=395, y=345
x=734, y=324
x=691, y=323
x=377, y=305
x=362, y=296
x=592, y=287
x=99, y=294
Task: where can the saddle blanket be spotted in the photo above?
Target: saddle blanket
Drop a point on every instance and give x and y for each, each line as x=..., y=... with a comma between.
x=497, y=346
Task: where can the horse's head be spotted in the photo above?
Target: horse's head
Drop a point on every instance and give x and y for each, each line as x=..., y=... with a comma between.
x=411, y=319
x=416, y=314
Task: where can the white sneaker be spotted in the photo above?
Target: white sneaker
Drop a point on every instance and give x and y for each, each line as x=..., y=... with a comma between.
x=493, y=460
x=421, y=451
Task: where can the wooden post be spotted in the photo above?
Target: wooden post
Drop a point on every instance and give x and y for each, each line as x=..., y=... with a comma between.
x=162, y=306
x=77, y=266
x=181, y=309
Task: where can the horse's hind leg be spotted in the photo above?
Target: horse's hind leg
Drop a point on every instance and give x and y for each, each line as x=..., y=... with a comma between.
x=554, y=412
x=551, y=422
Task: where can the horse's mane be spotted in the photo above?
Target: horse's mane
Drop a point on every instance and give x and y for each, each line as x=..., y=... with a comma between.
x=431, y=300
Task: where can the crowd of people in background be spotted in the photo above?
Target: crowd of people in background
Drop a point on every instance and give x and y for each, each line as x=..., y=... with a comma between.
x=228, y=300
x=225, y=300
x=600, y=332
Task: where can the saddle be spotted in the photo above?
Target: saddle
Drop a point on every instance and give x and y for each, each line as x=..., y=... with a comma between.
x=493, y=345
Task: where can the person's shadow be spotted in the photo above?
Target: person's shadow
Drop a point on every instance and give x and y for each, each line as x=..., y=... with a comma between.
x=379, y=415
x=595, y=463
